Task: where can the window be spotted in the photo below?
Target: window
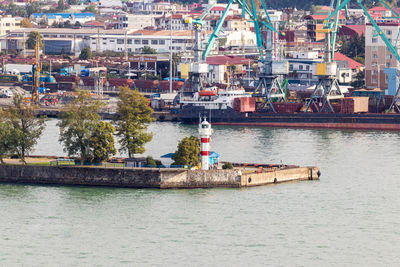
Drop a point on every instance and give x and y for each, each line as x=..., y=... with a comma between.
x=389, y=56
x=308, y=67
x=374, y=64
x=388, y=65
x=112, y=41
x=129, y=41
x=300, y=67
x=145, y=42
x=374, y=32
x=389, y=32
x=154, y=42
x=374, y=40
x=62, y=35
x=120, y=41
x=374, y=48
x=291, y=67
x=161, y=42
x=374, y=55
x=137, y=41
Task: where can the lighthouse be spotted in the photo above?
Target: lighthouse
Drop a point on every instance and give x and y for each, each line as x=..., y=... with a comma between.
x=205, y=132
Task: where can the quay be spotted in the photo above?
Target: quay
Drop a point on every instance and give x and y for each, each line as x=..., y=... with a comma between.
x=162, y=178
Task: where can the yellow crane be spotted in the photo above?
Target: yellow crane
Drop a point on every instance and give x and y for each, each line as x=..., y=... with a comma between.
x=36, y=75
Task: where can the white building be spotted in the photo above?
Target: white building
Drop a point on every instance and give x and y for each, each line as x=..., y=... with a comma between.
x=133, y=22
x=8, y=24
x=134, y=42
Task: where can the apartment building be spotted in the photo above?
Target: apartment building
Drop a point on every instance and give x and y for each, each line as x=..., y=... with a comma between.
x=135, y=41
x=8, y=24
x=377, y=55
x=127, y=21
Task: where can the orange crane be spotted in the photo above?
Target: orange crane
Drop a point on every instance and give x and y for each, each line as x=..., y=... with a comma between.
x=36, y=75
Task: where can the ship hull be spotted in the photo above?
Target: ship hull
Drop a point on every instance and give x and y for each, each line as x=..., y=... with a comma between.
x=369, y=121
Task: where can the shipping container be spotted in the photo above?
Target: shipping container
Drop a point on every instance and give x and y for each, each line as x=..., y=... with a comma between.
x=244, y=104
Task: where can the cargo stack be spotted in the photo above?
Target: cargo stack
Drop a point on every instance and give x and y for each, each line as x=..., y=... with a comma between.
x=244, y=104
x=350, y=105
x=176, y=85
x=287, y=107
x=145, y=84
x=117, y=82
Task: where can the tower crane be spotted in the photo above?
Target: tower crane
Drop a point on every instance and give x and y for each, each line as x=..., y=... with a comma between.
x=198, y=69
x=392, y=48
x=36, y=75
x=327, y=87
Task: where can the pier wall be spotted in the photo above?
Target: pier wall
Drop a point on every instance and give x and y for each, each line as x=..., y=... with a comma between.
x=118, y=177
x=148, y=177
x=280, y=176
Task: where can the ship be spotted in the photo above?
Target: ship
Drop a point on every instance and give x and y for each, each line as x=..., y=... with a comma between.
x=237, y=107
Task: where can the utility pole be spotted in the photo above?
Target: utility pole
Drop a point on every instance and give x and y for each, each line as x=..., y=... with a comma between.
x=23, y=44
x=126, y=47
x=170, y=49
x=98, y=41
x=74, y=45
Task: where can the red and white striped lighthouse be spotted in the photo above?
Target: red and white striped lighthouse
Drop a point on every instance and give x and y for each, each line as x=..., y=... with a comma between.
x=205, y=132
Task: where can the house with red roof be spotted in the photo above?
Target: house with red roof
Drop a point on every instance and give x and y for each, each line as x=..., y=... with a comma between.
x=347, y=68
x=316, y=22
x=351, y=31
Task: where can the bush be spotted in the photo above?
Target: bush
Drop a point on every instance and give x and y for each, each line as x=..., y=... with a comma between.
x=227, y=166
x=150, y=161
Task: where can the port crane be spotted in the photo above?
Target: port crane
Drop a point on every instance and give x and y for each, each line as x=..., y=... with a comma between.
x=327, y=87
x=36, y=75
x=268, y=85
x=340, y=5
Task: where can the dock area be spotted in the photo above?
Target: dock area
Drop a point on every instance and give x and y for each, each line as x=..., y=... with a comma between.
x=162, y=178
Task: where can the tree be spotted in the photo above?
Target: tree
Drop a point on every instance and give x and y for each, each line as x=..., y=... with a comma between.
x=91, y=9
x=354, y=47
x=133, y=121
x=32, y=7
x=61, y=5
x=148, y=50
x=77, y=125
x=151, y=162
x=67, y=24
x=73, y=2
x=359, y=82
x=188, y=152
x=227, y=166
x=5, y=135
x=26, y=127
x=102, y=142
x=32, y=38
x=25, y=23
x=85, y=54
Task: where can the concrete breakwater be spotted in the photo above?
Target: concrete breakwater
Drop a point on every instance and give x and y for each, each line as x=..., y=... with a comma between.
x=150, y=177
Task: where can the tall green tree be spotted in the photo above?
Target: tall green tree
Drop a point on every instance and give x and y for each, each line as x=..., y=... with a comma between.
x=32, y=7
x=133, y=121
x=5, y=135
x=77, y=125
x=85, y=54
x=359, y=81
x=32, y=38
x=148, y=50
x=102, y=142
x=26, y=127
x=188, y=152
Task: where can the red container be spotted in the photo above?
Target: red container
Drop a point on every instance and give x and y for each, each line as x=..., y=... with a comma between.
x=71, y=79
x=145, y=84
x=119, y=82
x=176, y=85
x=287, y=107
x=244, y=104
